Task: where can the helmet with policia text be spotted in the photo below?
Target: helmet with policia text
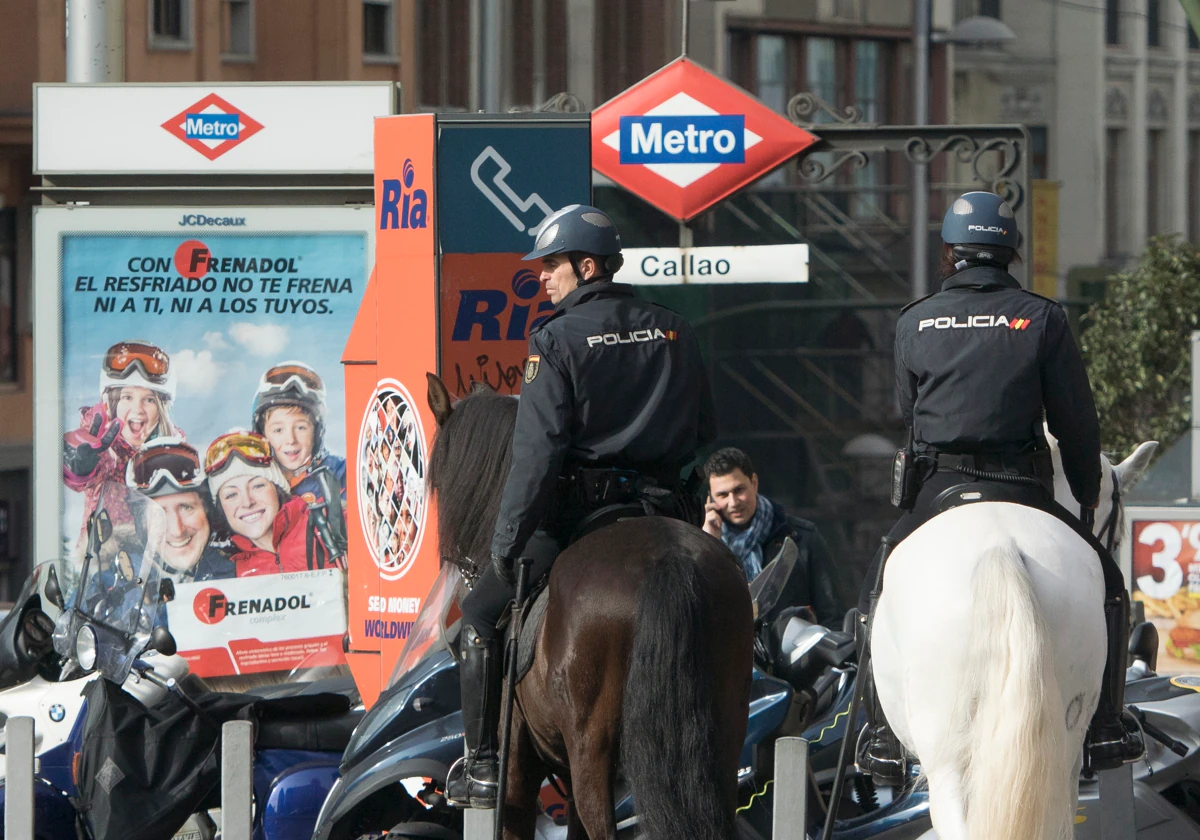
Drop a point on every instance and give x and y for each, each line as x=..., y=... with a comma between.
x=291, y=384
x=137, y=364
x=981, y=218
x=164, y=466
x=579, y=228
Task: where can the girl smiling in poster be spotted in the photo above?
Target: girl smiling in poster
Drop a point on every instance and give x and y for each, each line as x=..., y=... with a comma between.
x=137, y=387
x=269, y=526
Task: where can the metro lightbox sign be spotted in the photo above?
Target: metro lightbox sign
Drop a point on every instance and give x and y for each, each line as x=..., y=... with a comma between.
x=683, y=139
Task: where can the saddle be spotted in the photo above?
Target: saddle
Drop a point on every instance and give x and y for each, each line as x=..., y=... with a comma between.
x=539, y=596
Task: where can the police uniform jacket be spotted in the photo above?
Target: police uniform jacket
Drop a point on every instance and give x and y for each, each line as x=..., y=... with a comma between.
x=976, y=364
x=611, y=380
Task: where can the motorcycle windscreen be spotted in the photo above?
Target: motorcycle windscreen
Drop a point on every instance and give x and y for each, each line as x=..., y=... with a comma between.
x=428, y=633
x=118, y=593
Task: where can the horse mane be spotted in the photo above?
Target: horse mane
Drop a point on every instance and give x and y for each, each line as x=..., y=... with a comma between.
x=467, y=471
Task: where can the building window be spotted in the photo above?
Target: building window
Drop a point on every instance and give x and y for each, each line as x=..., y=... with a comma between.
x=378, y=41
x=1193, y=39
x=1112, y=21
x=1039, y=152
x=990, y=8
x=539, y=67
x=629, y=43
x=444, y=55
x=1193, y=192
x=170, y=24
x=8, y=295
x=771, y=72
x=237, y=28
x=964, y=9
x=1113, y=163
x=1153, y=23
x=1156, y=189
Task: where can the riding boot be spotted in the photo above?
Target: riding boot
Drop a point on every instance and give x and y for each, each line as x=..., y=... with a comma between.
x=878, y=753
x=472, y=780
x=1114, y=737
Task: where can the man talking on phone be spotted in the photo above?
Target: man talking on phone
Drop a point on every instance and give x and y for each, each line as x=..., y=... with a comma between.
x=754, y=528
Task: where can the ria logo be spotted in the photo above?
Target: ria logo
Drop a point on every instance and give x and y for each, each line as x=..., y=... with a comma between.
x=684, y=138
x=212, y=126
x=485, y=306
x=401, y=206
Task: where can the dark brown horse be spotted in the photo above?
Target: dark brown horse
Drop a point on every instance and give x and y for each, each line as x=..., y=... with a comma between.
x=642, y=662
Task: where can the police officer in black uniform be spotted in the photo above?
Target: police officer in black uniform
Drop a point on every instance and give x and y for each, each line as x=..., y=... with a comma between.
x=614, y=405
x=978, y=366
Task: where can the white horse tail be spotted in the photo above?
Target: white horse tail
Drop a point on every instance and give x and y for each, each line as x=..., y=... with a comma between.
x=1013, y=733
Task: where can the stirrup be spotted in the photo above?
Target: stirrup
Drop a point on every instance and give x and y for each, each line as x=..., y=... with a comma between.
x=465, y=791
x=1112, y=750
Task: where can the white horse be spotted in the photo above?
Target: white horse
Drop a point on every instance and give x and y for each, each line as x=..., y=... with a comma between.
x=988, y=648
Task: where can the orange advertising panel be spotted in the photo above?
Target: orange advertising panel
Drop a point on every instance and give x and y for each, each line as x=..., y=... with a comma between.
x=1166, y=578
x=393, y=549
x=490, y=302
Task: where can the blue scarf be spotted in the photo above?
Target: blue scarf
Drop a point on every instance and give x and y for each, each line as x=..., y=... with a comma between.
x=747, y=542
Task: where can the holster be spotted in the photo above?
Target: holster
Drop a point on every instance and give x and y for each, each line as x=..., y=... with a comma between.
x=906, y=479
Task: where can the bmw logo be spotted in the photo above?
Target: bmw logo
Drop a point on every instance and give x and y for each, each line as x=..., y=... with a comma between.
x=57, y=713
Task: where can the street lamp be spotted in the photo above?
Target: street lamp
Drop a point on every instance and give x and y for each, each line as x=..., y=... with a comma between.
x=979, y=31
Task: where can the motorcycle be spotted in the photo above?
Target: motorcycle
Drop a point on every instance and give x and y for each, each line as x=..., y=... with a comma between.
x=136, y=751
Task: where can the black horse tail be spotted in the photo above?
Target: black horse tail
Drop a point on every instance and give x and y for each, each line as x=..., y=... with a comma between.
x=669, y=742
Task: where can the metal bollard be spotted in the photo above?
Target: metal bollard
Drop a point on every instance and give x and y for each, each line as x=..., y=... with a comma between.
x=478, y=824
x=1117, y=804
x=790, y=818
x=237, y=789
x=18, y=784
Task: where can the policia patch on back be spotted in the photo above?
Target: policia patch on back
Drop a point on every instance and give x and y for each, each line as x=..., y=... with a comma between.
x=531, y=367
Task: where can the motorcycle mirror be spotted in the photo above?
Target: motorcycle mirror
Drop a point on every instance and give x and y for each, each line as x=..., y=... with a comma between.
x=104, y=526
x=162, y=641
x=53, y=591
x=166, y=590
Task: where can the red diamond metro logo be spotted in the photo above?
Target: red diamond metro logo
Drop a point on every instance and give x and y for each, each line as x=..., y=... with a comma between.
x=684, y=139
x=212, y=126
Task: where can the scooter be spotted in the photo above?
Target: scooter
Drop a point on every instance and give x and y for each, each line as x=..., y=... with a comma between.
x=136, y=748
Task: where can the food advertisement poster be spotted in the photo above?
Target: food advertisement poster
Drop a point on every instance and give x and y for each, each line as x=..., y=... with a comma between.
x=199, y=352
x=1165, y=553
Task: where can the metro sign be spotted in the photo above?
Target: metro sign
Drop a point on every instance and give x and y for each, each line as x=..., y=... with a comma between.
x=212, y=126
x=684, y=138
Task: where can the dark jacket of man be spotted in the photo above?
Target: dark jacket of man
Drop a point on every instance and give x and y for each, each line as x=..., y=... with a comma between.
x=611, y=381
x=976, y=364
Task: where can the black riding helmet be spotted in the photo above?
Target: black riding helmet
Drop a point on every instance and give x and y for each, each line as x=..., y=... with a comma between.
x=981, y=227
x=579, y=228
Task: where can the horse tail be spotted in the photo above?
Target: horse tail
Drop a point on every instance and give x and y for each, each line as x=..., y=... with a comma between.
x=669, y=740
x=1012, y=733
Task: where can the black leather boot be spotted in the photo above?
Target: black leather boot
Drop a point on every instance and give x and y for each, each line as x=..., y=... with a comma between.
x=1114, y=737
x=879, y=753
x=472, y=780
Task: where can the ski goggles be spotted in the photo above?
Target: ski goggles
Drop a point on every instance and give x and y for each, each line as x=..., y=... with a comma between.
x=291, y=376
x=121, y=360
x=176, y=465
x=251, y=448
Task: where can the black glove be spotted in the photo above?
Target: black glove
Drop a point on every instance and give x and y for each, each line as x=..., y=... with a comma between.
x=504, y=568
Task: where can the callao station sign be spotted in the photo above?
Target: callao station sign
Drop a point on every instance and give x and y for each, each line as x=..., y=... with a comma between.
x=683, y=139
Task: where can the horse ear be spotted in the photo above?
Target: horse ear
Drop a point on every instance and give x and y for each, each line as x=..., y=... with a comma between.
x=1131, y=469
x=438, y=397
x=481, y=387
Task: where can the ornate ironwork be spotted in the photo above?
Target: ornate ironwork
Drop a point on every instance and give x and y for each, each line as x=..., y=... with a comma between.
x=804, y=105
x=562, y=103
x=814, y=171
x=972, y=150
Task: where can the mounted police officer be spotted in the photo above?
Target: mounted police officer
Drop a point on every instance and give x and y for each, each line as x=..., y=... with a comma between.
x=979, y=364
x=614, y=405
